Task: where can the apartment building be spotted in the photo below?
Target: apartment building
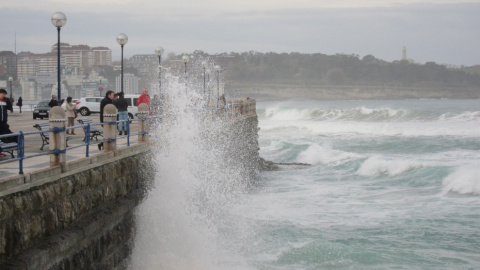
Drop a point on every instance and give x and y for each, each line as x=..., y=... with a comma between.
x=80, y=58
x=8, y=64
x=130, y=85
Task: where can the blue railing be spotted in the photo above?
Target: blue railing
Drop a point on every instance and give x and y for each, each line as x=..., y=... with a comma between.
x=21, y=140
x=233, y=109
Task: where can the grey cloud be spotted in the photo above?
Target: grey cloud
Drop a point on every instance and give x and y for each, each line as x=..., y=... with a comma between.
x=443, y=33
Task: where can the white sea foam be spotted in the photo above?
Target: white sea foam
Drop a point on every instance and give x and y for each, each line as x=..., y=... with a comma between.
x=464, y=180
x=316, y=154
x=182, y=223
x=375, y=166
x=464, y=116
x=278, y=113
x=406, y=129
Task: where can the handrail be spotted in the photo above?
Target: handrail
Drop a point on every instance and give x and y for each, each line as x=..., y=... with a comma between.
x=21, y=141
x=233, y=108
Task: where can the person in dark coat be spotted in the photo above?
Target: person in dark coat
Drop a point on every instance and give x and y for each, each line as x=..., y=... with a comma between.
x=108, y=99
x=20, y=103
x=5, y=106
x=53, y=102
x=122, y=107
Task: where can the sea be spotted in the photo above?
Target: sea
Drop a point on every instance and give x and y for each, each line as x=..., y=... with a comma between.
x=361, y=184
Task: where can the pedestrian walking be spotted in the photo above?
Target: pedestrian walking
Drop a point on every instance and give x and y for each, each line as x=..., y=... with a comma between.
x=20, y=103
x=71, y=115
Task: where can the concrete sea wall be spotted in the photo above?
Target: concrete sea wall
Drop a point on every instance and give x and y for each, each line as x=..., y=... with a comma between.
x=83, y=218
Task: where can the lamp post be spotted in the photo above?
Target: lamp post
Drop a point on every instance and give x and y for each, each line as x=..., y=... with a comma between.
x=185, y=61
x=10, y=79
x=217, y=70
x=204, y=66
x=58, y=20
x=100, y=87
x=122, y=39
x=207, y=72
x=159, y=52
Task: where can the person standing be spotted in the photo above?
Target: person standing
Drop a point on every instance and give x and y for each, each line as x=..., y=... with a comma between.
x=70, y=108
x=5, y=106
x=122, y=107
x=53, y=102
x=20, y=103
x=144, y=98
x=108, y=99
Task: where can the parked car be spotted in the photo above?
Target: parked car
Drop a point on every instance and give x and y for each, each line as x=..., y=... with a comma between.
x=88, y=105
x=132, y=105
x=41, y=110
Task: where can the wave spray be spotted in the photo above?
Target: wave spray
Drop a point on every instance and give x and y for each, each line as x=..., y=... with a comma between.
x=185, y=222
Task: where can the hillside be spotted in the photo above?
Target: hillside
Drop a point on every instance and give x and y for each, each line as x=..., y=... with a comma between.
x=273, y=75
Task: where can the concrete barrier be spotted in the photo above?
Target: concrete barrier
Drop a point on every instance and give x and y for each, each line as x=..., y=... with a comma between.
x=79, y=214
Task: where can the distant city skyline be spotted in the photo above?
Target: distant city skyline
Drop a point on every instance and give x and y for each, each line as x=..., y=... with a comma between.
x=442, y=31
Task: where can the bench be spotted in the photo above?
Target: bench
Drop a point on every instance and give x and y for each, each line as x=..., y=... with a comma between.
x=94, y=132
x=8, y=147
x=45, y=128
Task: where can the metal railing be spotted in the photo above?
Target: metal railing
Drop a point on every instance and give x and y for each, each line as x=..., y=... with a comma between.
x=20, y=157
x=232, y=108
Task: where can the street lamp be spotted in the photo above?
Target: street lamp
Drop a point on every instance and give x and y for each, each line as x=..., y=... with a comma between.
x=217, y=69
x=10, y=79
x=185, y=61
x=159, y=52
x=122, y=39
x=204, y=66
x=208, y=84
x=58, y=20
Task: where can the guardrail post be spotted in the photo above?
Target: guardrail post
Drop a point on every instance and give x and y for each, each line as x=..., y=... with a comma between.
x=143, y=127
x=110, y=130
x=58, y=139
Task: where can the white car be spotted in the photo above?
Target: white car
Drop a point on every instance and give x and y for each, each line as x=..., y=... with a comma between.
x=88, y=105
x=132, y=105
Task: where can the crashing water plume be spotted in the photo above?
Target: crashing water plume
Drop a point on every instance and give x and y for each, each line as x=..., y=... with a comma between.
x=203, y=166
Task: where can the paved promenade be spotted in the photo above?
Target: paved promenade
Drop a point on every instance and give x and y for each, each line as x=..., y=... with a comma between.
x=24, y=122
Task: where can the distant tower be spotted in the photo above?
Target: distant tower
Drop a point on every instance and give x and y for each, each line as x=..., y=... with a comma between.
x=404, y=53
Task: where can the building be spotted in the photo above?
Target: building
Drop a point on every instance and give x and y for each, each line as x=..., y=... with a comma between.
x=74, y=59
x=130, y=84
x=102, y=56
x=144, y=63
x=27, y=68
x=8, y=64
x=29, y=89
x=83, y=56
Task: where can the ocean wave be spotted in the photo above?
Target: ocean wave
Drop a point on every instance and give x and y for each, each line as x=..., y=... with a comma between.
x=316, y=154
x=464, y=180
x=363, y=114
x=358, y=114
x=392, y=128
x=375, y=166
x=464, y=116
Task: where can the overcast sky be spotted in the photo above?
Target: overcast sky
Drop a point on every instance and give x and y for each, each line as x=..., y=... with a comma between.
x=443, y=31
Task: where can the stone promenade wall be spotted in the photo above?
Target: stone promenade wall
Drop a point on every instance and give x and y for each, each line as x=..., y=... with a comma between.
x=83, y=219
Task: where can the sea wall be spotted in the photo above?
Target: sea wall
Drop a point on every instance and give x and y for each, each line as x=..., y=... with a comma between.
x=82, y=219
